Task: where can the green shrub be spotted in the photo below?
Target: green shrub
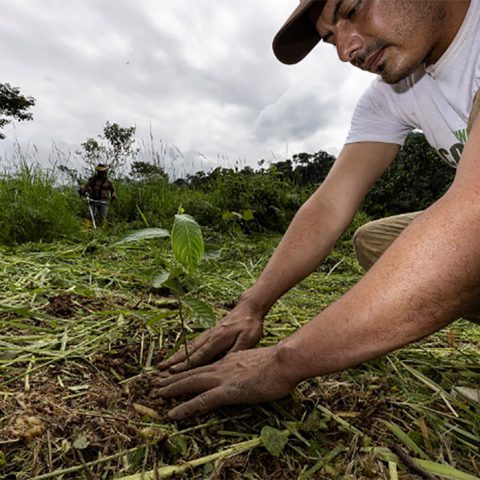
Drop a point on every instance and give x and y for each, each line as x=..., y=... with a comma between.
x=415, y=179
x=271, y=198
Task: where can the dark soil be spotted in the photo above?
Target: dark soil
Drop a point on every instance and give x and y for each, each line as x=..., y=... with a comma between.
x=68, y=305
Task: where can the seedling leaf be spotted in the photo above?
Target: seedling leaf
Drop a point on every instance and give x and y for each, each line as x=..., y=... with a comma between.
x=202, y=312
x=187, y=242
x=143, y=234
x=160, y=279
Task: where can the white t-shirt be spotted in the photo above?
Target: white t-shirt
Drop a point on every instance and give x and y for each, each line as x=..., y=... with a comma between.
x=436, y=99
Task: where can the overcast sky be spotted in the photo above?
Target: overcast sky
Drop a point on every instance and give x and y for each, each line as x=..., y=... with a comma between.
x=200, y=75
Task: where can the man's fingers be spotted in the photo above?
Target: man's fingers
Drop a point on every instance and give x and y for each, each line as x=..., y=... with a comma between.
x=181, y=356
x=175, y=358
x=167, y=380
x=188, y=385
x=195, y=359
x=202, y=355
x=202, y=403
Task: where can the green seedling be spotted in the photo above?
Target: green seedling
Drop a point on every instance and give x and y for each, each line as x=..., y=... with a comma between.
x=188, y=250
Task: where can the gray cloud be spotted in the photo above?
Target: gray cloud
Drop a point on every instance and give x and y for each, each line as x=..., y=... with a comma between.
x=296, y=115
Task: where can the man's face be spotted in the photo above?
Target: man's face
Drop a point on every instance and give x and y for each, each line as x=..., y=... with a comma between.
x=391, y=38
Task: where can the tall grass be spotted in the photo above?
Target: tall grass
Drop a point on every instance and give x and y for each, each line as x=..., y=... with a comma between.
x=157, y=201
x=32, y=209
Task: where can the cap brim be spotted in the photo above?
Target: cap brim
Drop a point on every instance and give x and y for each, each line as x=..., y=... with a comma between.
x=298, y=36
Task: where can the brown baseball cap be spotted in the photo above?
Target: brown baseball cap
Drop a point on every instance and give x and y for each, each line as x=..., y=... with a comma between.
x=298, y=36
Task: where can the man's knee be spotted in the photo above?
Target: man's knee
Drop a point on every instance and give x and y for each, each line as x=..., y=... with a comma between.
x=372, y=239
x=363, y=246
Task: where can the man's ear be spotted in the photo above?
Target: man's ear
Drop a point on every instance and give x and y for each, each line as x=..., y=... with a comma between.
x=474, y=112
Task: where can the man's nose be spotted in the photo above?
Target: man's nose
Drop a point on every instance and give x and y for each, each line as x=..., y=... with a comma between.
x=349, y=44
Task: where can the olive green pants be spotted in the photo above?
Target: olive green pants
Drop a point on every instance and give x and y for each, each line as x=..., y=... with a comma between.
x=373, y=238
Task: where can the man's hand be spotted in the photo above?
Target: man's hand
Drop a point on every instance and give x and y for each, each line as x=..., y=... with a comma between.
x=239, y=330
x=250, y=376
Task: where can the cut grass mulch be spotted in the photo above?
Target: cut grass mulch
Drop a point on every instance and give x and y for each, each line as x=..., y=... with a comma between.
x=82, y=331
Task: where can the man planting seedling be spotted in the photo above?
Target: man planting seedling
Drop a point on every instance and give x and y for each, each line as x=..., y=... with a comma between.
x=423, y=268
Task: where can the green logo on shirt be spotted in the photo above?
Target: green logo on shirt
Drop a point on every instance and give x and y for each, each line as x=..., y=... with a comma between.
x=462, y=135
x=453, y=155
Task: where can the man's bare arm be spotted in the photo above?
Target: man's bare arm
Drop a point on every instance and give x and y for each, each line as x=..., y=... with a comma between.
x=428, y=277
x=309, y=239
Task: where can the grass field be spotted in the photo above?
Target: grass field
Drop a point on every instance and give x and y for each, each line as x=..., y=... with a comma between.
x=80, y=323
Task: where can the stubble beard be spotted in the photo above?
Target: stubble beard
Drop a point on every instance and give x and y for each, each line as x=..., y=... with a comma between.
x=387, y=69
x=395, y=75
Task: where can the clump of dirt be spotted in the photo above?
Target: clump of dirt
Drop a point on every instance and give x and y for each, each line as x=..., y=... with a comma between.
x=141, y=390
x=75, y=411
x=124, y=358
x=67, y=305
x=122, y=361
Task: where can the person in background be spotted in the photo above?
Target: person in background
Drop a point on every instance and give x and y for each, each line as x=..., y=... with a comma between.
x=99, y=191
x=423, y=269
